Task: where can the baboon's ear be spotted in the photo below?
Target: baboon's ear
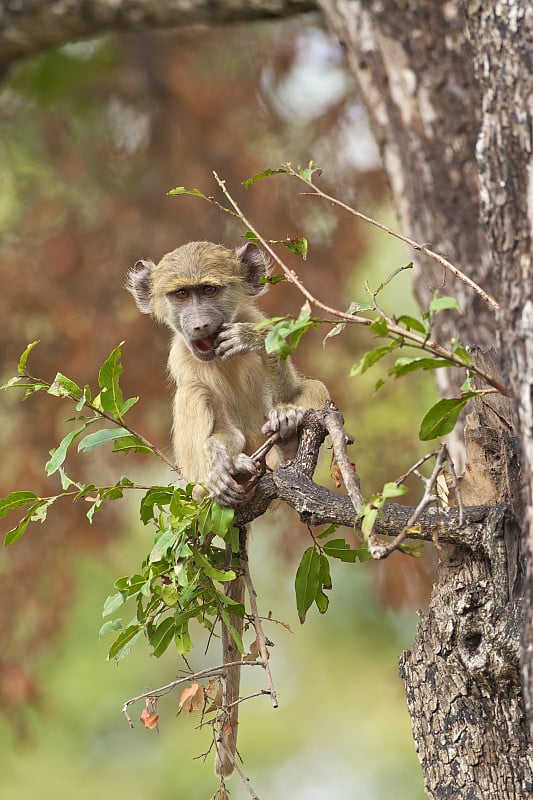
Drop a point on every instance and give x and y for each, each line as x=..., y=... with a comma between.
x=138, y=282
x=256, y=265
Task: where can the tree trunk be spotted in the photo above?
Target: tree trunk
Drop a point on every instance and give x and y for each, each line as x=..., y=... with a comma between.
x=449, y=93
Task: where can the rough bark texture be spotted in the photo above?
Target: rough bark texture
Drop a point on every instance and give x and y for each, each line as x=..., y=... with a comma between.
x=30, y=26
x=502, y=42
x=462, y=676
x=449, y=93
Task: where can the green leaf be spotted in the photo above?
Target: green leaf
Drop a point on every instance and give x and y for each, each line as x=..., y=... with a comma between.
x=442, y=417
x=413, y=324
x=379, y=326
x=211, y=571
x=235, y=635
x=392, y=489
x=307, y=582
x=370, y=358
x=21, y=368
x=60, y=453
x=442, y=303
x=368, y=520
x=183, y=639
x=182, y=190
x=167, y=540
x=322, y=601
x=64, y=387
x=93, y=440
x=162, y=636
x=265, y=174
x=169, y=595
x=128, y=404
x=111, y=626
x=403, y=366
x=329, y=531
x=291, y=330
x=130, y=586
x=17, y=532
x=85, y=398
x=16, y=500
x=221, y=519
x=124, y=444
x=339, y=548
x=157, y=496
x=297, y=246
x=108, y=379
x=122, y=645
x=338, y=328
x=325, y=572
x=111, y=604
x=310, y=172
x=272, y=279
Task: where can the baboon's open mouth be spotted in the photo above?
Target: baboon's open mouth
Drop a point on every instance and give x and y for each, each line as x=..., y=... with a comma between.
x=204, y=348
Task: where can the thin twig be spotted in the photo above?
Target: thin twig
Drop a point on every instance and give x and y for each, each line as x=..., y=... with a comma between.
x=378, y=550
x=422, y=248
x=210, y=672
x=261, y=638
x=333, y=422
x=396, y=330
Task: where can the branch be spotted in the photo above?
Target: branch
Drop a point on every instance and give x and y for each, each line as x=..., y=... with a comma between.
x=422, y=248
x=30, y=26
x=475, y=527
x=403, y=334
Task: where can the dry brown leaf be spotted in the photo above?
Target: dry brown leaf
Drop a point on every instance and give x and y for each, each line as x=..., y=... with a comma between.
x=192, y=698
x=148, y=719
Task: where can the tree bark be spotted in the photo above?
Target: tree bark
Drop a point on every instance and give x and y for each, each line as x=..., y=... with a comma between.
x=28, y=27
x=449, y=94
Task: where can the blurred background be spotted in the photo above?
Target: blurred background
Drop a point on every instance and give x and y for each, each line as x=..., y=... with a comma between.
x=92, y=137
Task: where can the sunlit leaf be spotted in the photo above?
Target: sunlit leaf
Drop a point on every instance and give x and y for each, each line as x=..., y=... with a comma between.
x=379, y=326
x=93, y=440
x=392, y=489
x=339, y=548
x=403, y=366
x=267, y=173
x=307, y=582
x=370, y=358
x=21, y=367
x=221, y=519
x=122, y=645
x=60, y=453
x=16, y=500
x=108, y=379
x=111, y=604
x=163, y=635
x=182, y=190
x=297, y=246
x=442, y=303
x=442, y=417
x=223, y=576
x=64, y=387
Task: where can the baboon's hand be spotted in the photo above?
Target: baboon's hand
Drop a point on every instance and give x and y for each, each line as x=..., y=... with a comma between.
x=236, y=339
x=284, y=420
x=222, y=483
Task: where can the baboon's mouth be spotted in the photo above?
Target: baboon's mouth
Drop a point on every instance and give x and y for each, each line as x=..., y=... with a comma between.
x=204, y=348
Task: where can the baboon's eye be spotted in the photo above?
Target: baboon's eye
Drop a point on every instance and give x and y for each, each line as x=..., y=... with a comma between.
x=180, y=294
x=210, y=291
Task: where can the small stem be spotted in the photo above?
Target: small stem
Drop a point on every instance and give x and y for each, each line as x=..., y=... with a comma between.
x=261, y=638
x=422, y=248
x=396, y=330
